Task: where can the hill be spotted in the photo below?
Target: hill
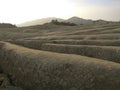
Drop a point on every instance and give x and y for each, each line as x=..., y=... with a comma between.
x=6, y=25
x=75, y=20
x=59, y=57
x=79, y=21
x=39, y=21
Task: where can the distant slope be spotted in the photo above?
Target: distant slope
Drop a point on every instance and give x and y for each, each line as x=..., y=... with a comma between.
x=6, y=25
x=79, y=21
x=38, y=21
x=75, y=20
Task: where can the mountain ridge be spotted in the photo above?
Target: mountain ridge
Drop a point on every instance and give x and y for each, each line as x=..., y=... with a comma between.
x=38, y=21
x=76, y=20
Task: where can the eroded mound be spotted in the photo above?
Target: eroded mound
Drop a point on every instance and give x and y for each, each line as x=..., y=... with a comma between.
x=42, y=70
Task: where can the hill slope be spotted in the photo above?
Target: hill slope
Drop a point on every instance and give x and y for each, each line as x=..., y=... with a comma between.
x=75, y=20
x=6, y=25
x=38, y=21
x=79, y=21
x=82, y=57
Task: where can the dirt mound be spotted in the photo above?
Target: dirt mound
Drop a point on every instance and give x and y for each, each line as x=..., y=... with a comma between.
x=41, y=70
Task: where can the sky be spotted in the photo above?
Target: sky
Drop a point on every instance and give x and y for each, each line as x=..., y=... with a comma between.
x=18, y=11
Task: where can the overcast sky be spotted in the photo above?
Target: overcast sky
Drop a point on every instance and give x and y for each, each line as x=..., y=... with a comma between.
x=18, y=11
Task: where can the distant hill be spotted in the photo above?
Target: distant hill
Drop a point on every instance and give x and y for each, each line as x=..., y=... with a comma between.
x=63, y=23
x=6, y=25
x=75, y=20
x=39, y=21
x=100, y=21
x=79, y=21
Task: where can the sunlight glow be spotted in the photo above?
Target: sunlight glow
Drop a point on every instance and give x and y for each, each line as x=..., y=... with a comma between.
x=17, y=11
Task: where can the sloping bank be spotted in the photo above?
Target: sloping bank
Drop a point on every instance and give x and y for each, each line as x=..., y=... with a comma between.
x=42, y=70
x=110, y=53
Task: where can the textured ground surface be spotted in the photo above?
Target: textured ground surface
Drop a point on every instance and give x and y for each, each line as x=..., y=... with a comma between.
x=61, y=57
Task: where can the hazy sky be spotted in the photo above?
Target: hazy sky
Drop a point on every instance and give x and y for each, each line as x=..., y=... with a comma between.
x=17, y=11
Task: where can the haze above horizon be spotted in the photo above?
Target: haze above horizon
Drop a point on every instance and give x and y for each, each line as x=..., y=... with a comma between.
x=18, y=11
